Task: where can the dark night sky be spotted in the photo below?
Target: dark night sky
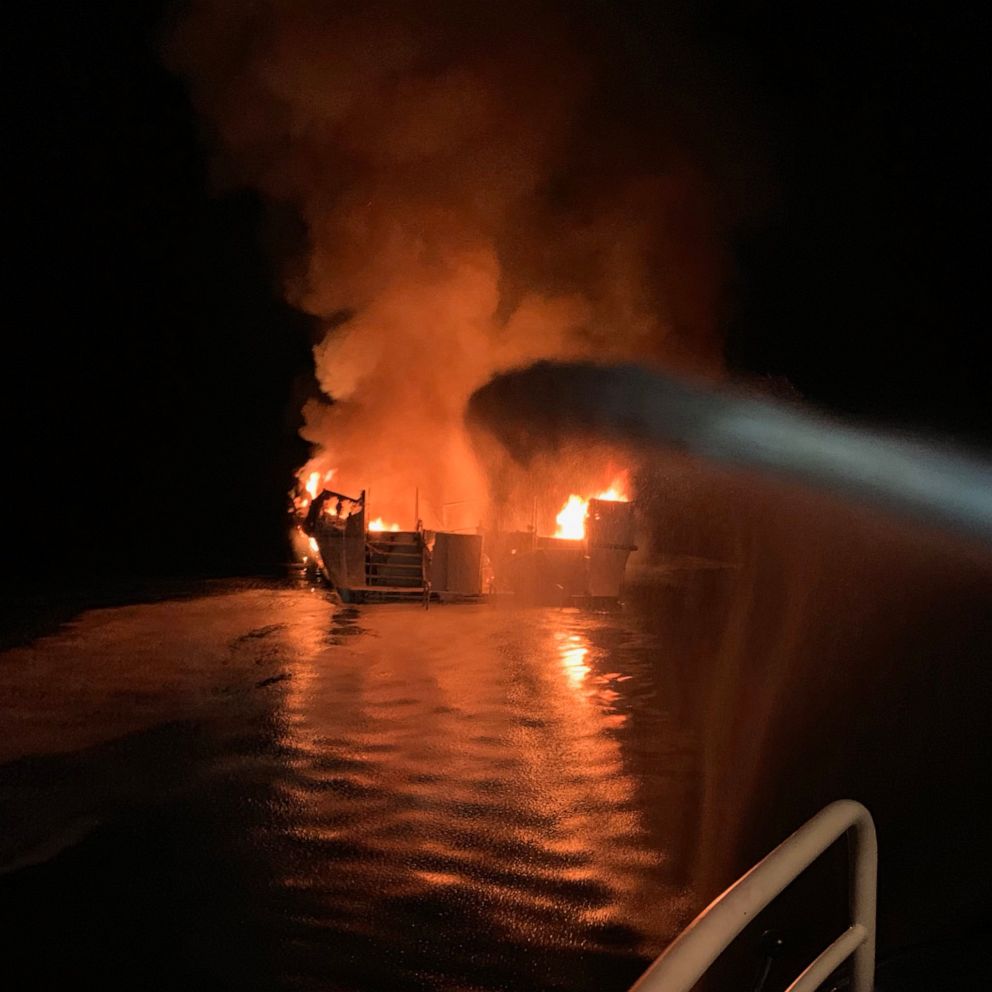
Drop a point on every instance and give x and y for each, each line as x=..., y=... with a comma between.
x=152, y=374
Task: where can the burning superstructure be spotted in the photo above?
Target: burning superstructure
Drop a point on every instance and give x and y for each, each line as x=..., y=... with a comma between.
x=371, y=561
x=585, y=564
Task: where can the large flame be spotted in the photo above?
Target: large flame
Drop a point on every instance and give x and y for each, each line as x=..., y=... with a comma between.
x=571, y=519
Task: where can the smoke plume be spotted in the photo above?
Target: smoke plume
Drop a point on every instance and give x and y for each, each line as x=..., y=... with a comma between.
x=482, y=185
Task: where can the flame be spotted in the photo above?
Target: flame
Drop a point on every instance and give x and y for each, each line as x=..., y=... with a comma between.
x=313, y=546
x=380, y=524
x=617, y=493
x=571, y=518
x=308, y=485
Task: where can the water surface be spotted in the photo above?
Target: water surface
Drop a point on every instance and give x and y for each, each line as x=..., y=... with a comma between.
x=262, y=789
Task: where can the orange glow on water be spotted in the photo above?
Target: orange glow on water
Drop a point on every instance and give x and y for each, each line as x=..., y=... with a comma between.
x=442, y=753
x=573, y=660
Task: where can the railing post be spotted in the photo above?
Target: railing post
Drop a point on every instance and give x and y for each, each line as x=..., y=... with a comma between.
x=863, y=893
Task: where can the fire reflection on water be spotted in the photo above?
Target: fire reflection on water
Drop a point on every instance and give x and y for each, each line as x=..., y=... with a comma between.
x=458, y=778
x=573, y=656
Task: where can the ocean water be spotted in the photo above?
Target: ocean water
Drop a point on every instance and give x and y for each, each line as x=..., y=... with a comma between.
x=259, y=788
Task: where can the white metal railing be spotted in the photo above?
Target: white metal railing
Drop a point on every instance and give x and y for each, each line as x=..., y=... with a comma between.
x=698, y=946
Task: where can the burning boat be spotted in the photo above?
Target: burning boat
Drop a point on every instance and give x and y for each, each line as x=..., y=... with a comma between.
x=370, y=561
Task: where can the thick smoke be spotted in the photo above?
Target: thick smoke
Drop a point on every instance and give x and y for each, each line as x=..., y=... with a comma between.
x=482, y=185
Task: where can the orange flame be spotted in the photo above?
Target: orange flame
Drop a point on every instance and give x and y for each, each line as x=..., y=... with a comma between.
x=571, y=519
x=309, y=484
x=379, y=524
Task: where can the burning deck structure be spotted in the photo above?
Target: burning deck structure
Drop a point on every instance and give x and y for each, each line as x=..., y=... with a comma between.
x=586, y=569
x=367, y=564
x=367, y=561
